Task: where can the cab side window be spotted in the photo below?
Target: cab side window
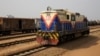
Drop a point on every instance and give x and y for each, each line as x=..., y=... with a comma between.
x=72, y=17
x=68, y=17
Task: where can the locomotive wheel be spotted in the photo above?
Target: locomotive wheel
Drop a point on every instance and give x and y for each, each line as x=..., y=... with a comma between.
x=86, y=33
x=72, y=36
x=64, y=38
x=61, y=39
x=69, y=37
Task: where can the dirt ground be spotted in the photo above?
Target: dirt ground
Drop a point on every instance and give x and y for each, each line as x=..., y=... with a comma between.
x=91, y=48
x=85, y=46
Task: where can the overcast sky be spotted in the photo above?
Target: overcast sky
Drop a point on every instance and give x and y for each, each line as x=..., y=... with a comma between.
x=32, y=8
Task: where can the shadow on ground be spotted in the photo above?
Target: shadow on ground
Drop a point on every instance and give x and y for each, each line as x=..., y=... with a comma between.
x=84, y=42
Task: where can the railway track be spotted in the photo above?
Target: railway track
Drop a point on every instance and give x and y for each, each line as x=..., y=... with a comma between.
x=94, y=30
x=20, y=48
x=27, y=50
x=94, y=27
x=34, y=50
x=25, y=53
x=14, y=41
x=15, y=36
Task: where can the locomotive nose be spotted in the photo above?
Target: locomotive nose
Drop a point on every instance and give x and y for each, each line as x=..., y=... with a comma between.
x=43, y=39
x=48, y=38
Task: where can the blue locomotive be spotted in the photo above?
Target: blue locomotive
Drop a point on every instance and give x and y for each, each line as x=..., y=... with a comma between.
x=59, y=25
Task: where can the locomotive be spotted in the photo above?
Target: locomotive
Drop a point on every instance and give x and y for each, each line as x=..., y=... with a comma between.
x=59, y=25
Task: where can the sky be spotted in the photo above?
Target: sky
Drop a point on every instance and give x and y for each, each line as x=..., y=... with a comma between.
x=33, y=8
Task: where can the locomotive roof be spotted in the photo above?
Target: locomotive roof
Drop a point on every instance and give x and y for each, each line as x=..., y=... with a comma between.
x=48, y=11
x=62, y=13
x=58, y=11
